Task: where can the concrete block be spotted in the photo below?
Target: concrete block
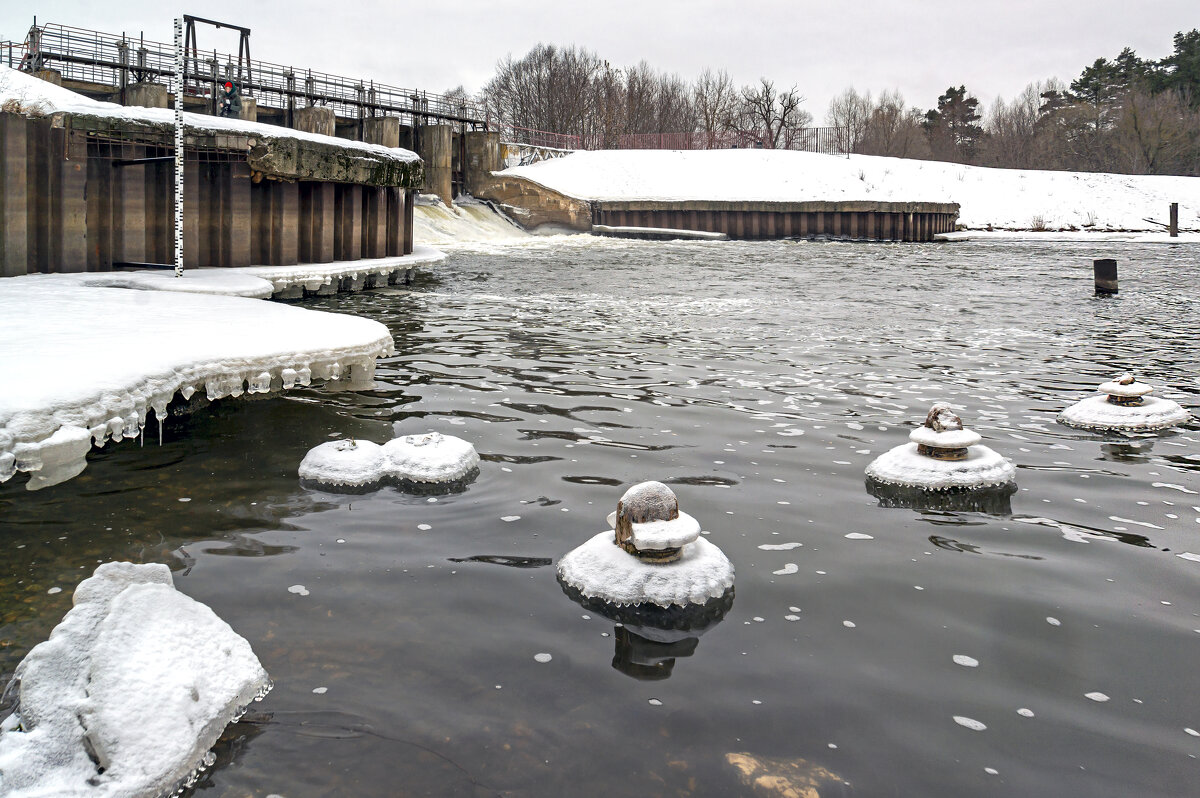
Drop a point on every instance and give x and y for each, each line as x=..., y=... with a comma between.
x=382, y=130
x=483, y=158
x=147, y=95
x=315, y=119
x=435, y=146
x=15, y=190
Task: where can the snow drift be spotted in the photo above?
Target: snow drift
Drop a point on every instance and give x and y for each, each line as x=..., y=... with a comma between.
x=1019, y=199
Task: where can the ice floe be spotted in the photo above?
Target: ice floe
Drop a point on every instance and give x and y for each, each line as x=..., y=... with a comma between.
x=1125, y=406
x=128, y=695
x=429, y=459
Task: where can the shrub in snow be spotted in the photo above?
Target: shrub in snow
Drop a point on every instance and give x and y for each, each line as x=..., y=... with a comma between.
x=412, y=460
x=128, y=695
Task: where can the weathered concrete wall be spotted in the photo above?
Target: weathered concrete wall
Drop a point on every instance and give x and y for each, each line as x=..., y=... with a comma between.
x=249, y=110
x=315, y=119
x=74, y=198
x=533, y=205
x=858, y=220
x=147, y=95
x=435, y=146
x=483, y=158
x=382, y=130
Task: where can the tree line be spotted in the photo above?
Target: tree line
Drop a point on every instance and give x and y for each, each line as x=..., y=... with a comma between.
x=1127, y=114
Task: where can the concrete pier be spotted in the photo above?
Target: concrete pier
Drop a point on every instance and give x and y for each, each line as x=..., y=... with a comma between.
x=95, y=193
x=315, y=119
x=483, y=157
x=382, y=130
x=147, y=95
x=434, y=145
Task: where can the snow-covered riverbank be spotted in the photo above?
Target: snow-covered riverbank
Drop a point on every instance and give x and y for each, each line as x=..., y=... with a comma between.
x=85, y=363
x=1005, y=199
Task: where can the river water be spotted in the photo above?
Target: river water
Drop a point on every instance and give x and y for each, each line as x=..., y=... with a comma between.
x=893, y=651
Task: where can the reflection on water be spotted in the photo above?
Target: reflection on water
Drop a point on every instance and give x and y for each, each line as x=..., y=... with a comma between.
x=758, y=380
x=994, y=500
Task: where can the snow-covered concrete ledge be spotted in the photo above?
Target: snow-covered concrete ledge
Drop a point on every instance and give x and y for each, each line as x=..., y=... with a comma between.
x=128, y=695
x=659, y=233
x=270, y=149
x=1013, y=199
x=83, y=364
x=292, y=282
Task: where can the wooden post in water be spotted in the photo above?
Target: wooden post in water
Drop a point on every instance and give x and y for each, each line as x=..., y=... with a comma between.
x=1173, y=229
x=1105, y=272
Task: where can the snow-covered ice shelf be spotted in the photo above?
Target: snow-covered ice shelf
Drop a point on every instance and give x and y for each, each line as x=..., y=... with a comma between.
x=1018, y=199
x=82, y=364
x=292, y=281
x=128, y=695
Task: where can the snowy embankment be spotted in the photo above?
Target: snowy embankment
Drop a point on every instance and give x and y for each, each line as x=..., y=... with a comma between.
x=1007, y=199
x=83, y=364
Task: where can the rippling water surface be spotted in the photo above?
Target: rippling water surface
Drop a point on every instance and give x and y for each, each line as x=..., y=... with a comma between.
x=890, y=651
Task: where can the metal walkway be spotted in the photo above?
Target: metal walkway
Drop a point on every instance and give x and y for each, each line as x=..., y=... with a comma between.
x=104, y=60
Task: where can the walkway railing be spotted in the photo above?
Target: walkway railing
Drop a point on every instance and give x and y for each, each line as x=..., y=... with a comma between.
x=806, y=139
x=116, y=61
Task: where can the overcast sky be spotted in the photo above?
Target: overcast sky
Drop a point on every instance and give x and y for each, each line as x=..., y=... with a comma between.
x=917, y=46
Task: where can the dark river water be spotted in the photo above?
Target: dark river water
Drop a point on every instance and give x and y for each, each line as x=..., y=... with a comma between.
x=758, y=380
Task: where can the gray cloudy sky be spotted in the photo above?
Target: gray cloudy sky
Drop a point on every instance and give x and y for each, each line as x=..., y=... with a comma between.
x=918, y=47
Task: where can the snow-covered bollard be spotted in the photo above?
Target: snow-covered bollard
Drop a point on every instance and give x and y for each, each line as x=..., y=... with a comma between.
x=654, y=556
x=942, y=455
x=128, y=695
x=432, y=457
x=413, y=461
x=1125, y=406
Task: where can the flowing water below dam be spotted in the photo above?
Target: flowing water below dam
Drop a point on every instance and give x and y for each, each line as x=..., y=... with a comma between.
x=1044, y=644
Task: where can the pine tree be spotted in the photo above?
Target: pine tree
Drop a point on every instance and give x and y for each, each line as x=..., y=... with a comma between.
x=953, y=129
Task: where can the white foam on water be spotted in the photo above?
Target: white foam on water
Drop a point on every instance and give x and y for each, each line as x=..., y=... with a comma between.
x=849, y=624
x=654, y=702
x=320, y=690
x=508, y=519
x=970, y=723
x=965, y=661
x=299, y=590
x=791, y=617
x=1096, y=696
x=1053, y=621
x=542, y=657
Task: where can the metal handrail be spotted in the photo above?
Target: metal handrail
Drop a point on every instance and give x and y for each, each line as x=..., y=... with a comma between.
x=109, y=59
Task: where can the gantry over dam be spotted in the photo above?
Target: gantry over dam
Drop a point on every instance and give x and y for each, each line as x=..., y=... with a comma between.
x=88, y=185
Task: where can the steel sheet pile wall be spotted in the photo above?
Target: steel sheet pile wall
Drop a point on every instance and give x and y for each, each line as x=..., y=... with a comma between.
x=74, y=200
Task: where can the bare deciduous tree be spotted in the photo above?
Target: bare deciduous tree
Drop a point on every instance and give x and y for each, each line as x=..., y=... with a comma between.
x=715, y=100
x=848, y=115
x=773, y=114
x=894, y=129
